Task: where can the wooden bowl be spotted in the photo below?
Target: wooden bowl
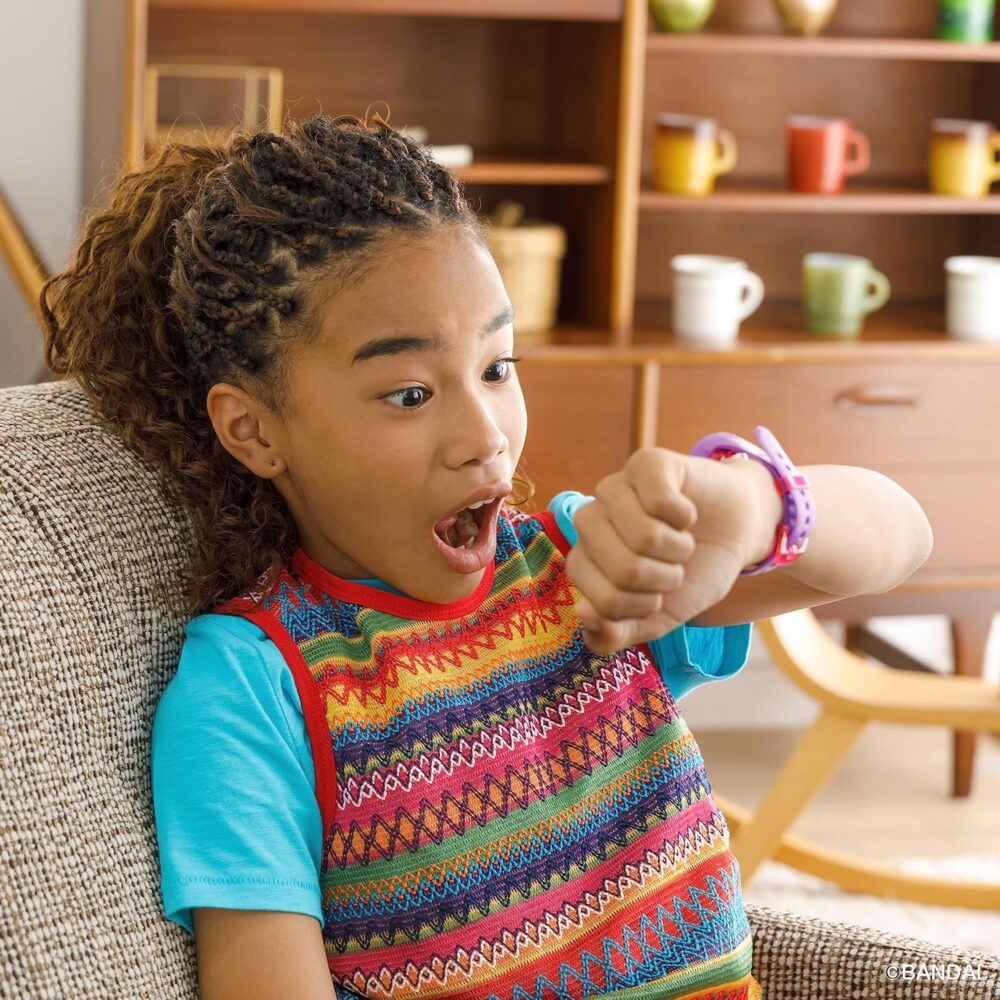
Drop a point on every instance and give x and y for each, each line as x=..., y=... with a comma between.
x=806, y=17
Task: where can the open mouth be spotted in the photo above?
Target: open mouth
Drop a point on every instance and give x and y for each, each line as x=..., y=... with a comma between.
x=461, y=531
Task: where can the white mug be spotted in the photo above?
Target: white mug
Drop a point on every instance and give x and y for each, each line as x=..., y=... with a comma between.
x=712, y=296
x=973, y=310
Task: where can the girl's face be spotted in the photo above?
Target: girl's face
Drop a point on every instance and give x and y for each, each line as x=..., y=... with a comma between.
x=403, y=407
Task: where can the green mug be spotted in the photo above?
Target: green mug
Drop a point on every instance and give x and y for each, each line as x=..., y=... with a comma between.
x=839, y=290
x=966, y=20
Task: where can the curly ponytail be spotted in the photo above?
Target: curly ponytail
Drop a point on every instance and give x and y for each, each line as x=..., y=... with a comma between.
x=197, y=271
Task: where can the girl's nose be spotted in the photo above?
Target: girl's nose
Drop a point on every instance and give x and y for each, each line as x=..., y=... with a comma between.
x=476, y=435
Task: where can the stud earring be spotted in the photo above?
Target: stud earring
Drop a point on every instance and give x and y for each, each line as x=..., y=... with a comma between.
x=274, y=461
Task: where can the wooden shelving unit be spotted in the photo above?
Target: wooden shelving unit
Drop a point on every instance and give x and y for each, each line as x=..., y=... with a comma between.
x=531, y=85
x=878, y=66
x=558, y=99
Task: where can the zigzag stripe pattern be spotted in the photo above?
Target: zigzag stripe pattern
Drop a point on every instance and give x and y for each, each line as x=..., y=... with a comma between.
x=517, y=818
x=666, y=941
x=445, y=771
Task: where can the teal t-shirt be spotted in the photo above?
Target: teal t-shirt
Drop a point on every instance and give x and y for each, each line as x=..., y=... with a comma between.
x=234, y=791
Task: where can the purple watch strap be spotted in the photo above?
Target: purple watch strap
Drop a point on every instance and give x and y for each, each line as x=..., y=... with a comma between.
x=798, y=509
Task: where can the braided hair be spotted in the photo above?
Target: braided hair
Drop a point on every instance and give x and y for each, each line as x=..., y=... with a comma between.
x=200, y=269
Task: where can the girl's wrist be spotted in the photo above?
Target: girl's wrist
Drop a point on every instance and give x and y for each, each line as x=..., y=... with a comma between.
x=764, y=508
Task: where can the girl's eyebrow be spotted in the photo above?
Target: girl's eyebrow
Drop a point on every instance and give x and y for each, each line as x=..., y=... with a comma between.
x=413, y=342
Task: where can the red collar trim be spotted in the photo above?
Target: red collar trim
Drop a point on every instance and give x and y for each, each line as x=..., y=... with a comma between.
x=383, y=600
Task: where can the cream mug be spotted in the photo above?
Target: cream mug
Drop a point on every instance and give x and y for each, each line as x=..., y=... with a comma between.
x=712, y=295
x=973, y=298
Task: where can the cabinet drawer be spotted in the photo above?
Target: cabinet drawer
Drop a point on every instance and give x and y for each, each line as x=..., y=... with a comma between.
x=963, y=508
x=579, y=426
x=851, y=414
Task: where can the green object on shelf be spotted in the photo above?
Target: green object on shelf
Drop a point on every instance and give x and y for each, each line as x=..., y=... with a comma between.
x=682, y=16
x=966, y=20
x=839, y=291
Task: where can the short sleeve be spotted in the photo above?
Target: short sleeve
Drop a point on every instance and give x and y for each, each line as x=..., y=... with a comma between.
x=689, y=655
x=237, y=821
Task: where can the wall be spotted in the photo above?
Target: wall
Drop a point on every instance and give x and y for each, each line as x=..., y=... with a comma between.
x=61, y=84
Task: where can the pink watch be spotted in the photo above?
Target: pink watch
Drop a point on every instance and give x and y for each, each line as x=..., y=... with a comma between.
x=798, y=509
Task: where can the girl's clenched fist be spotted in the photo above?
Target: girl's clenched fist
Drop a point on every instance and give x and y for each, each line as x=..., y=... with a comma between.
x=663, y=540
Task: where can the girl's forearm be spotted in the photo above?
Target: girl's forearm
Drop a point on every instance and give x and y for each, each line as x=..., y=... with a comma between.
x=870, y=534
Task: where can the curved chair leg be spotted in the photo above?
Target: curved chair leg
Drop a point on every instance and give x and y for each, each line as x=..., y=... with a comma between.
x=810, y=765
x=866, y=877
x=850, y=693
x=970, y=635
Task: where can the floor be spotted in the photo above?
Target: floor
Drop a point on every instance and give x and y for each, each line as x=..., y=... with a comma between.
x=890, y=797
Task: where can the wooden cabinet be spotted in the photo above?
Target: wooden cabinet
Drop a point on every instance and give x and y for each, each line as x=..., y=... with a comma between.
x=932, y=427
x=870, y=414
x=559, y=100
x=579, y=426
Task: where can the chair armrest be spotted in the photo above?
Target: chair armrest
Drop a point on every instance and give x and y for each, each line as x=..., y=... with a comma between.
x=795, y=957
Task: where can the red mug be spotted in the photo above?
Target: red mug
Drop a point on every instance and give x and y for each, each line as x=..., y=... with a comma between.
x=823, y=152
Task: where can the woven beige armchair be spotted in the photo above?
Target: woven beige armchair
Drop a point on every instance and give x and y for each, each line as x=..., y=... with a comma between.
x=86, y=651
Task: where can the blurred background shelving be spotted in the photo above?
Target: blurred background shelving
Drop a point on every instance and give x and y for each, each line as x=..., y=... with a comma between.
x=558, y=99
x=532, y=87
x=877, y=65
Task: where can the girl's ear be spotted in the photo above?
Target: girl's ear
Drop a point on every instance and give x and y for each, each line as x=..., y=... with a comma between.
x=235, y=418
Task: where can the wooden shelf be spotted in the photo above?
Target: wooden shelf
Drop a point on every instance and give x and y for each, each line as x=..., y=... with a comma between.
x=903, y=330
x=497, y=168
x=489, y=168
x=768, y=196
x=781, y=321
x=545, y=10
x=830, y=46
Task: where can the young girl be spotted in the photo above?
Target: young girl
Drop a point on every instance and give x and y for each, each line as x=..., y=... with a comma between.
x=421, y=743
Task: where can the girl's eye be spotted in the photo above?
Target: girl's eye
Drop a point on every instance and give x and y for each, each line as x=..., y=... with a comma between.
x=507, y=371
x=403, y=392
x=415, y=390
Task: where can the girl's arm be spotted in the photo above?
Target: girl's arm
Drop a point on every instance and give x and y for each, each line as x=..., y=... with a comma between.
x=665, y=539
x=260, y=955
x=870, y=535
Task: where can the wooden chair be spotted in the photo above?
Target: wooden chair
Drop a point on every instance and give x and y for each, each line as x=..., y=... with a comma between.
x=25, y=264
x=21, y=257
x=969, y=602
x=851, y=693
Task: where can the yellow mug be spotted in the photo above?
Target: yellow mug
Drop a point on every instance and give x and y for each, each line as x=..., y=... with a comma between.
x=964, y=157
x=690, y=152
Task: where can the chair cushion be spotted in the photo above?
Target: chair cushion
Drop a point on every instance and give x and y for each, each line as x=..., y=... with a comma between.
x=85, y=652
x=804, y=958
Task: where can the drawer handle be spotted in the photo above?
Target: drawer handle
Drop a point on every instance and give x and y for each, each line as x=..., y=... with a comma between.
x=875, y=399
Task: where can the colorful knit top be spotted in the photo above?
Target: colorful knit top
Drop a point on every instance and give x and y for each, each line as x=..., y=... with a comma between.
x=506, y=815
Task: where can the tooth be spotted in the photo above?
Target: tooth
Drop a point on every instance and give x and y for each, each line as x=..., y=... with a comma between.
x=481, y=503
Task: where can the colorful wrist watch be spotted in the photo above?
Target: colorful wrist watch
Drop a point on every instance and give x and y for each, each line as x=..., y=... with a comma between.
x=798, y=509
